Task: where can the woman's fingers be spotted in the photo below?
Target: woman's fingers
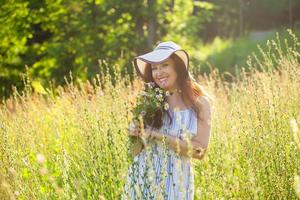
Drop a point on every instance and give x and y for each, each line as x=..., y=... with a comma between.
x=145, y=134
x=134, y=131
x=131, y=127
x=137, y=132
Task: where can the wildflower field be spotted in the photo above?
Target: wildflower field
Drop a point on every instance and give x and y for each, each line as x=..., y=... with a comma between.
x=71, y=142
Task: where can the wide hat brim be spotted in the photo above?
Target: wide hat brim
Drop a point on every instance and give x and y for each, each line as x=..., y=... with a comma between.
x=156, y=57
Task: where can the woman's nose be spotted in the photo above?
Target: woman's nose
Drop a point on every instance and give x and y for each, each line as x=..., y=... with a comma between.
x=159, y=71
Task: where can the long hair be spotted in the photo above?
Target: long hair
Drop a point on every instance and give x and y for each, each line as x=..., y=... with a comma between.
x=190, y=89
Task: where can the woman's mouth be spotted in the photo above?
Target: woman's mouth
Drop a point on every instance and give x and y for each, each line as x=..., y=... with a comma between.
x=163, y=80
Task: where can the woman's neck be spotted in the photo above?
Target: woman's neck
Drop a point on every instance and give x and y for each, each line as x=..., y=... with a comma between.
x=175, y=91
x=175, y=101
x=175, y=94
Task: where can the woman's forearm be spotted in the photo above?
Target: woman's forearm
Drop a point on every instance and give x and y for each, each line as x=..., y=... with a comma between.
x=183, y=147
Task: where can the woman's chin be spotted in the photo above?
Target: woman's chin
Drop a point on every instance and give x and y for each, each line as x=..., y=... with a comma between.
x=161, y=85
x=165, y=86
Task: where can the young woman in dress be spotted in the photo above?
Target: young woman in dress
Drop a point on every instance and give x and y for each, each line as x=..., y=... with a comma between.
x=163, y=169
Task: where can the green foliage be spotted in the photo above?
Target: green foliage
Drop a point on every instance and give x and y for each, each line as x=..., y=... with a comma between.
x=54, y=38
x=229, y=55
x=235, y=17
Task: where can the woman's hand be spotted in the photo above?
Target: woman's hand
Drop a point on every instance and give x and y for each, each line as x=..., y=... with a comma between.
x=152, y=134
x=147, y=133
x=199, y=153
x=134, y=129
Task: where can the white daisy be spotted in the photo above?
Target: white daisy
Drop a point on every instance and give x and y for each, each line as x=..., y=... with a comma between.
x=166, y=106
x=143, y=113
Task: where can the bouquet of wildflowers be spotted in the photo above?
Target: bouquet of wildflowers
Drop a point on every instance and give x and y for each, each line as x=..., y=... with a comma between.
x=150, y=102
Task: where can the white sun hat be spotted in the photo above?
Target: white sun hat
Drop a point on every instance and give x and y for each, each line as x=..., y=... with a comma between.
x=160, y=53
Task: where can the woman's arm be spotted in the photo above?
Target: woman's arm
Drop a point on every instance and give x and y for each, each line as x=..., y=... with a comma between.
x=183, y=147
x=196, y=147
x=201, y=139
x=138, y=145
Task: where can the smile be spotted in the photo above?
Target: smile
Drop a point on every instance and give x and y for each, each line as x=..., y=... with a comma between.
x=163, y=80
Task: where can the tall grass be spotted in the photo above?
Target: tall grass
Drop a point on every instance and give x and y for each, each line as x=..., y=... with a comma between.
x=71, y=143
x=79, y=134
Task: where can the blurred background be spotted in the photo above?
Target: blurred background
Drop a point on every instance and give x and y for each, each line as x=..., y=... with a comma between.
x=54, y=38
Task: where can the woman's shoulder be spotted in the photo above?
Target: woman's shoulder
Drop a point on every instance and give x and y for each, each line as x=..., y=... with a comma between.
x=204, y=103
x=204, y=100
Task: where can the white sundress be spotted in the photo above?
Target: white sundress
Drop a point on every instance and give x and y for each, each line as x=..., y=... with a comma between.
x=158, y=172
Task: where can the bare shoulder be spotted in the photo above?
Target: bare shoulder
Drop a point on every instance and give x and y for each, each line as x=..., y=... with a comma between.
x=203, y=100
x=204, y=104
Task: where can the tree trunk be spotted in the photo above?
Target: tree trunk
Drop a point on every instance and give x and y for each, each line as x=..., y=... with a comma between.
x=241, y=17
x=151, y=24
x=290, y=14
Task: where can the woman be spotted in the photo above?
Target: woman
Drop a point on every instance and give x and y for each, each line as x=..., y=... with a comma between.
x=163, y=169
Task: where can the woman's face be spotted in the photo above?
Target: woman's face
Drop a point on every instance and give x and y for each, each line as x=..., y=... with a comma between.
x=164, y=74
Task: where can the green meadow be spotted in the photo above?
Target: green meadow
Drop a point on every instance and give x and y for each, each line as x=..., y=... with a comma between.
x=71, y=142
